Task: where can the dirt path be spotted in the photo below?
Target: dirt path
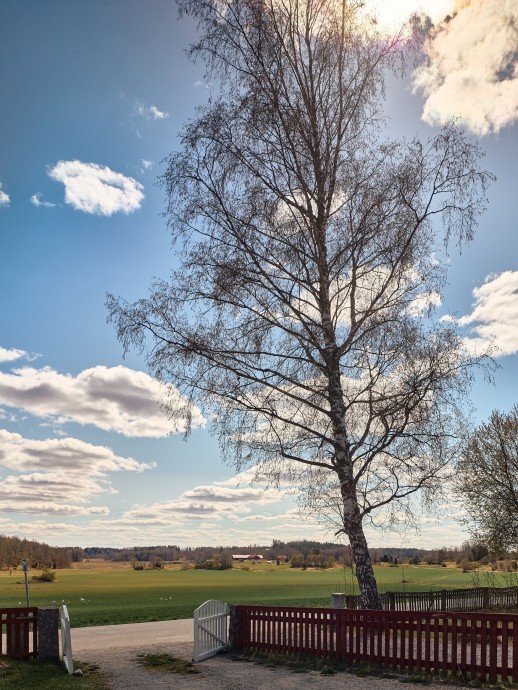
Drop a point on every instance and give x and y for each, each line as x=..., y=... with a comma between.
x=117, y=637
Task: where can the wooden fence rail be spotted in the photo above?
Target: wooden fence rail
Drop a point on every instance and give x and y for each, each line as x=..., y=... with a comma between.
x=482, y=645
x=474, y=599
x=19, y=628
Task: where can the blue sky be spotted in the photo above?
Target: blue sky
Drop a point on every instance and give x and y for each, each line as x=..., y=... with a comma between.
x=94, y=94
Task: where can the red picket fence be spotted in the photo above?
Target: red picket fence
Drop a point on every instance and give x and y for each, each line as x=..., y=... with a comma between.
x=483, y=645
x=19, y=627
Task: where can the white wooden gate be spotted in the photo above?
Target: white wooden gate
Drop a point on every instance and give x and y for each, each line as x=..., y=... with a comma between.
x=210, y=629
x=66, y=643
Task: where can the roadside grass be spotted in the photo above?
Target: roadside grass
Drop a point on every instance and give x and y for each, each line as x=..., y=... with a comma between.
x=109, y=596
x=167, y=663
x=328, y=667
x=22, y=675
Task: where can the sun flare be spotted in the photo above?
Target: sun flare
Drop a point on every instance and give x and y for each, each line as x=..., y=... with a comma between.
x=392, y=15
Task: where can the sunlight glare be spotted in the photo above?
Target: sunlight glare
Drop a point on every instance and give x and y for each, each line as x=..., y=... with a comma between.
x=392, y=14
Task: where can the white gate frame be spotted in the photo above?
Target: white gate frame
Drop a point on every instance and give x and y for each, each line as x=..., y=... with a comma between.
x=210, y=629
x=66, y=642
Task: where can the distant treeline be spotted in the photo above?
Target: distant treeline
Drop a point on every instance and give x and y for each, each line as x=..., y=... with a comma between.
x=14, y=549
x=327, y=550
x=137, y=553
x=342, y=554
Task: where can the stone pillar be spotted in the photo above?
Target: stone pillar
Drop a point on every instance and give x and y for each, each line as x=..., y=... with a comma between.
x=48, y=639
x=338, y=600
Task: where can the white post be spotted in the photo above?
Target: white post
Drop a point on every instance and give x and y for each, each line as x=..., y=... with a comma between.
x=66, y=641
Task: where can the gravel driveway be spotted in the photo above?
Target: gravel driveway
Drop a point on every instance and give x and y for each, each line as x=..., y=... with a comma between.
x=224, y=672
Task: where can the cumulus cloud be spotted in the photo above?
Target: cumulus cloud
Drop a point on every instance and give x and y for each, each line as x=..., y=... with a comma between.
x=114, y=399
x=471, y=71
x=221, y=494
x=11, y=355
x=494, y=317
x=150, y=112
x=39, y=508
x=97, y=189
x=169, y=512
x=57, y=476
x=42, y=489
x=147, y=164
x=207, y=502
x=36, y=200
x=67, y=455
x=4, y=197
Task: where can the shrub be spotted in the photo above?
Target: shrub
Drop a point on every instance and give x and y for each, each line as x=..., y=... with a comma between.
x=46, y=576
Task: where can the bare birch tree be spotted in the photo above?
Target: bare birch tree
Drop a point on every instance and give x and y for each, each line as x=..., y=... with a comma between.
x=300, y=318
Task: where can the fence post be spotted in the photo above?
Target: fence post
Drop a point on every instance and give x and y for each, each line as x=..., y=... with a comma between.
x=338, y=600
x=48, y=641
x=486, y=597
x=443, y=600
x=392, y=601
x=233, y=628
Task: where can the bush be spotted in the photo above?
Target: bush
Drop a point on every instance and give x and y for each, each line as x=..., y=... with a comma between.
x=213, y=564
x=46, y=576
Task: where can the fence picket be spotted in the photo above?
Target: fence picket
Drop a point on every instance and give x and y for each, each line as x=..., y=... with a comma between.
x=21, y=632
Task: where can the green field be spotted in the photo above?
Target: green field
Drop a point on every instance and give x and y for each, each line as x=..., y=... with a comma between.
x=105, y=595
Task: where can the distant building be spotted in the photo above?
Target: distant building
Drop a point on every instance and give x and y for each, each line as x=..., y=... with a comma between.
x=282, y=559
x=241, y=557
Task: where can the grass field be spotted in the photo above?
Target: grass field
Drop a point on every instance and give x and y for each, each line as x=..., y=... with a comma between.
x=105, y=594
x=21, y=675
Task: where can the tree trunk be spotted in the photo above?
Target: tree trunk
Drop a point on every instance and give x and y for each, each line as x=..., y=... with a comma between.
x=352, y=520
x=365, y=574
x=353, y=528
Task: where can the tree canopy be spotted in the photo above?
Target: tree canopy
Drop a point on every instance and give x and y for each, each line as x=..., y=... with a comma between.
x=487, y=482
x=301, y=318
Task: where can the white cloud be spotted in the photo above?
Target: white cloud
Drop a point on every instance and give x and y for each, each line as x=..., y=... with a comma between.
x=471, y=70
x=68, y=455
x=150, y=112
x=176, y=512
x=4, y=197
x=36, y=200
x=114, y=399
x=11, y=355
x=220, y=494
x=494, y=317
x=39, y=508
x=213, y=502
x=146, y=164
x=57, y=476
x=97, y=189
